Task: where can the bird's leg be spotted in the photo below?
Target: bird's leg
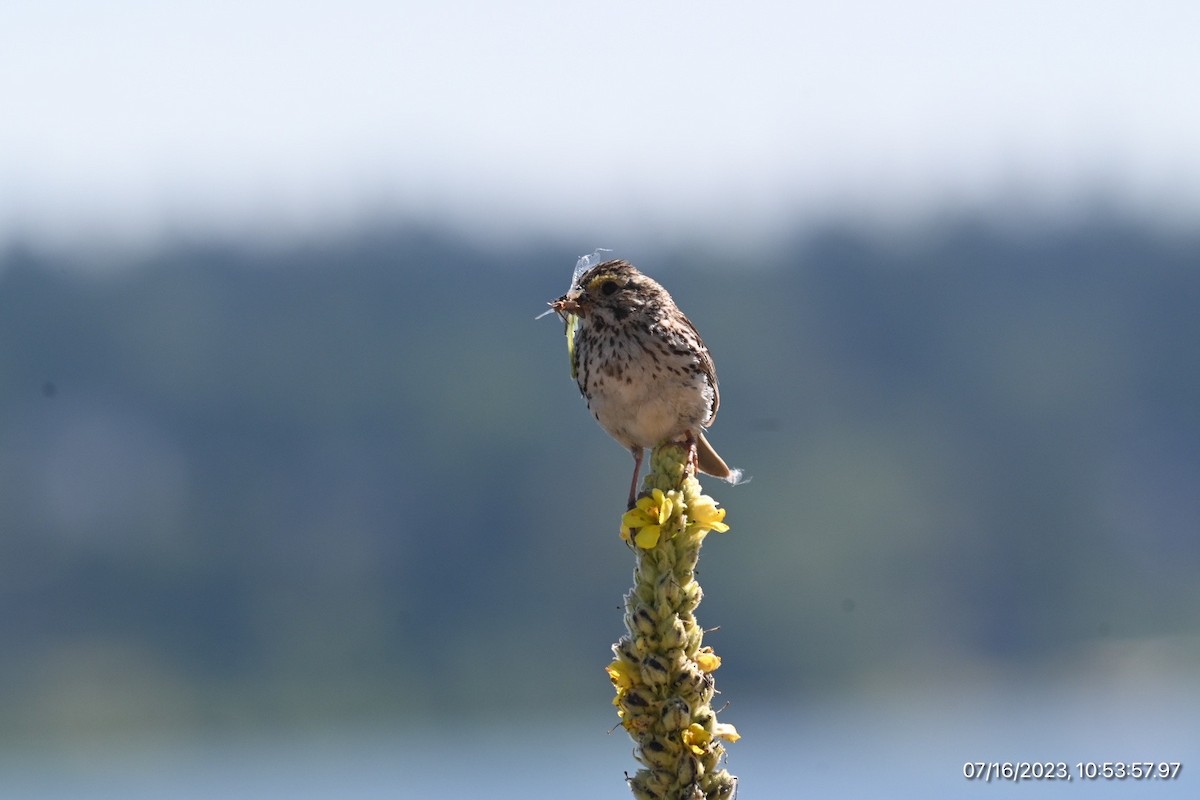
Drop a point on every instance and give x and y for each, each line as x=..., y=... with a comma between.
x=637, y=468
x=690, y=443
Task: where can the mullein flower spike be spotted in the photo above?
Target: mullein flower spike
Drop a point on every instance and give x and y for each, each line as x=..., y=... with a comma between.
x=662, y=674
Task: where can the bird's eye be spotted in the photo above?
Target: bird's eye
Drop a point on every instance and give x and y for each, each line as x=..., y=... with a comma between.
x=608, y=287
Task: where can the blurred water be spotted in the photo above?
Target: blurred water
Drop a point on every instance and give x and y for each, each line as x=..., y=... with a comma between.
x=913, y=745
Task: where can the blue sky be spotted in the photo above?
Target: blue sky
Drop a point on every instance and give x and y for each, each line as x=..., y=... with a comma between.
x=128, y=120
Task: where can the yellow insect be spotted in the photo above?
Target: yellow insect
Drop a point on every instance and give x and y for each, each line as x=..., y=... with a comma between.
x=570, y=319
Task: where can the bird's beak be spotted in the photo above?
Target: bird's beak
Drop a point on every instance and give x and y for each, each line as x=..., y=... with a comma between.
x=565, y=305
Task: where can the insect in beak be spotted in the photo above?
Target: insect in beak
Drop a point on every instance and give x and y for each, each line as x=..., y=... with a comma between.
x=562, y=306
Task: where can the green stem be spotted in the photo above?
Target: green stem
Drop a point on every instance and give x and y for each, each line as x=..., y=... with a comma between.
x=662, y=672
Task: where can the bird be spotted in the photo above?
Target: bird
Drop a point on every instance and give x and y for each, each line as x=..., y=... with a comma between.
x=641, y=365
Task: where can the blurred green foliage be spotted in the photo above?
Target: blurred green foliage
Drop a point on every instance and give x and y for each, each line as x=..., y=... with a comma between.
x=245, y=486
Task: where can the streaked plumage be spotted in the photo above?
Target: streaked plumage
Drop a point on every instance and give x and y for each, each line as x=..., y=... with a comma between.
x=641, y=365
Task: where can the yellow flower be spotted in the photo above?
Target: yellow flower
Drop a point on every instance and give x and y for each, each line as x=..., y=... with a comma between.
x=705, y=514
x=647, y=518
x=696, y=738
x=618, y=675
x=707, y=660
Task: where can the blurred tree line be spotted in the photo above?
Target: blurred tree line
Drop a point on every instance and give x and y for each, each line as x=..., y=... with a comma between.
x=244, y=486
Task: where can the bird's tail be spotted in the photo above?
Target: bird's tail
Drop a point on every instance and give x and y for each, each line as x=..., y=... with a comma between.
x=712, y=464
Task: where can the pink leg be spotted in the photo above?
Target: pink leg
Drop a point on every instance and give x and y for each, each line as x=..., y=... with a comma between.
x=637, y=468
